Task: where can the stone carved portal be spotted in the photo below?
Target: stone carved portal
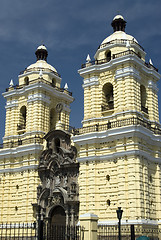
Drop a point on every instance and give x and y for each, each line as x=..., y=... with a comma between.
x=58, y=193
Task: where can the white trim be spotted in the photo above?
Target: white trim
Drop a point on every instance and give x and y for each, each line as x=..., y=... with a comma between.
x=113, y=116
x=31, y=133
x=126, y=72
x=31, y=87
x=90, y=82
x=116, y=61
x=38, y=72
x=115, y=133
x=153, y=86
x=118, y=155
x=38, y=97
x=11, y=104
x=20, y=169
x=21, y=150
x=113, y=45
x=130, y=222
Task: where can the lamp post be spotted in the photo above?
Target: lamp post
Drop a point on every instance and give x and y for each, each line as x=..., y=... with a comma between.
x=119, y=216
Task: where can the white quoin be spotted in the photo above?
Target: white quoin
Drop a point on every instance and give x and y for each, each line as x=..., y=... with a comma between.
x=88, y=59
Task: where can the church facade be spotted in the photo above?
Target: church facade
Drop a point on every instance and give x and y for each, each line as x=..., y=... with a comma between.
x=118, y=162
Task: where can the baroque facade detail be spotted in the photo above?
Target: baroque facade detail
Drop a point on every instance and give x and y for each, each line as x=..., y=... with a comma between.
x=58, y=172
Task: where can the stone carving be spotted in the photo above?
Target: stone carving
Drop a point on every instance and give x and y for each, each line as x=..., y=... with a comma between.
x=58, y=171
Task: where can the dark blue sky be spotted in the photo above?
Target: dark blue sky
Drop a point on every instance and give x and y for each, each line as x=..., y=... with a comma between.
x=70, y=29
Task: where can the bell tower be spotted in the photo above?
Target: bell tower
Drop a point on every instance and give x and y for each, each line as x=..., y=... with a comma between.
x=120, y=144
x=35, y=106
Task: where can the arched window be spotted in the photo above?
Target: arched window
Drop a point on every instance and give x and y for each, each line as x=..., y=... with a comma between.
x=108, y=56
x=52, y=119
x=108, y=100
x=143, y=98
x=22, y=119
x=26, y=80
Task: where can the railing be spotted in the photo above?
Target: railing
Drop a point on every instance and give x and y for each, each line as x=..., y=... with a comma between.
x=117, y=55
x=106, y=232
x=60, y=232
x=40, y=80
x=119, y=123
x=120, y=41
x=38, y=69
x=19, y=142
x=15, y=231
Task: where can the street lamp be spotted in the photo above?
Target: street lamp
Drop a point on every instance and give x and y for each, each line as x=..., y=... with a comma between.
x=119, y=216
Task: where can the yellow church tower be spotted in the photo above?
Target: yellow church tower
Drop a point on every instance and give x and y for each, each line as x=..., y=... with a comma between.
x=33, y=107
x=120, y=142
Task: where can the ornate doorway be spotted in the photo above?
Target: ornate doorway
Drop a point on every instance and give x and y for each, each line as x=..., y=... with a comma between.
x=58, y=216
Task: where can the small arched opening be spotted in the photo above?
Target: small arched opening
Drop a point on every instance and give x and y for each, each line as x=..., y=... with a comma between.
x=26, y=80
x=53, y=82
x=108, y=56
x=108, y=100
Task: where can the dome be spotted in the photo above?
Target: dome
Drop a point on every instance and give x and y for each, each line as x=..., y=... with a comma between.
x=119, y=35
x=41, y=54
x=41, y=64
x=118, y=17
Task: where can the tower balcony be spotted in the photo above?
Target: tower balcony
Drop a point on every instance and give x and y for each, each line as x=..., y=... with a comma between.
x=115, y=56
x=134, y=121
x=39, y=80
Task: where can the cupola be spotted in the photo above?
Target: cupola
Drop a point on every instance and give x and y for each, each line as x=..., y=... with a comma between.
x=41, y=53
x=118, y=23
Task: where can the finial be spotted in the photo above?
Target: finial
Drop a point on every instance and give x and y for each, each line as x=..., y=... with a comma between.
x=41, y=73
x=11, y=83
x=150, y=61
x=88, y=59
x=128, y=44
x=66, y=86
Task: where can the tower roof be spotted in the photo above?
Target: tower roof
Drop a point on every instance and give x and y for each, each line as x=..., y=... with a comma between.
x=119, y=24
x=41, y=63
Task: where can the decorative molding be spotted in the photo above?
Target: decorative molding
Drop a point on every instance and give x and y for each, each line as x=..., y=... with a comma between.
x=115, y=133
x=11, y=104
x=117, y=155
x=130, y=222
x=121, y=60
x=90, y=82
x=126, y=72
x=38, y=97
x=153, y=86
x=21, y=150
x=39, y=86
x=20, y=169
x=24, y=135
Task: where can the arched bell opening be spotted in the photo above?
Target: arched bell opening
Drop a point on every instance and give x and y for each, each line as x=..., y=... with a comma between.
x=108, y=100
